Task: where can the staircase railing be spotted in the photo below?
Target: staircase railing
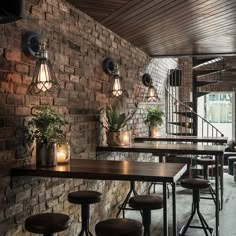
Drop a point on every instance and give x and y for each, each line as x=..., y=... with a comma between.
x=180, y=116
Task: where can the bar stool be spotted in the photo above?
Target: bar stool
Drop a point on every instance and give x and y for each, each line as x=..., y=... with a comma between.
x=146, y=203
x=119, y=227
x=205, y=162
x=196, y=184
x=47, y=223
x=84, y=198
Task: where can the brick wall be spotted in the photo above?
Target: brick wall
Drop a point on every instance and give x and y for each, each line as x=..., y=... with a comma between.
x=77, y=47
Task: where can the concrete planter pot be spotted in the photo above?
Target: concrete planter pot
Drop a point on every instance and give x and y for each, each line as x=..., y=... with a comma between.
x=45, y=155
x=120, y=138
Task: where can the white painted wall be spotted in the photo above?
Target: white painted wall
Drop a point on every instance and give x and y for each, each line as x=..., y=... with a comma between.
x=225, y=128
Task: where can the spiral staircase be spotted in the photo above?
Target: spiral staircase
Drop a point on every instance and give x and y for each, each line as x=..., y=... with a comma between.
x=182, y=91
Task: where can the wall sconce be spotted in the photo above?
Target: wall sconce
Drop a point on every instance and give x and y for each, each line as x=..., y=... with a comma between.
x=111, y=67
x=44, y=78
x=152, y=92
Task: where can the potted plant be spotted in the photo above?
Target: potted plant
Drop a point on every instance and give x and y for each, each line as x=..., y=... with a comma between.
x=153, y=120
x=46, y=128
x=115, y=122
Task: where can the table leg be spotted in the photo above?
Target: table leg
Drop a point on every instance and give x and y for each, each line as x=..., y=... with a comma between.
x=174, y=209
x=222, y=181
x=125, y=202
x=161, y=158
x=165, y=210
x=217, y=195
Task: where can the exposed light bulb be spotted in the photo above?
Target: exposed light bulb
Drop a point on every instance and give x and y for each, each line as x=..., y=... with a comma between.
x=43, y=78
x=116, y=88
x=152, y=94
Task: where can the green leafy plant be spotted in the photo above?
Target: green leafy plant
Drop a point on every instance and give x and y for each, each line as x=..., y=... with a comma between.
x=113, y=120
x=154, y=117
x=46, y=126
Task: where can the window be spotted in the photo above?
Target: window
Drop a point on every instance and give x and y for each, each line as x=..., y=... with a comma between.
x=218, y=107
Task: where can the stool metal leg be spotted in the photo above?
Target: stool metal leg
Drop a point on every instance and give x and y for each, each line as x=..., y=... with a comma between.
x=125, y=202
x=85, y=221
x=146, y=222
x=211, y=190
x=196, y=208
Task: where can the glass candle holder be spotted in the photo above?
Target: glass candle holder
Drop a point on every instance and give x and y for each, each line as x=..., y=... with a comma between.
x=63, y=153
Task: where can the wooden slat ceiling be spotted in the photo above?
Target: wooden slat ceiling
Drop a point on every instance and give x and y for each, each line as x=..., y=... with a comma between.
x=169, y=27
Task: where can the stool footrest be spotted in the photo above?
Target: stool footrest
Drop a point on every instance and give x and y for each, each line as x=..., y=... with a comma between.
x=211, y=230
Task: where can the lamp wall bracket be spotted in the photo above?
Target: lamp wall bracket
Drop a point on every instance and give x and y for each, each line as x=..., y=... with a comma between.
x=108, y=65
x=31, y=43
x=147, y=80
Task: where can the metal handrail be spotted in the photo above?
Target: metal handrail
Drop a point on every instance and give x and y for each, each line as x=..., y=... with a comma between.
x=214, y=129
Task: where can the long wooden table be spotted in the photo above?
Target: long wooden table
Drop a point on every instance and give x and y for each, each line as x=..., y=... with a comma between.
x=195, y=149
x=192, y=139
x=116, y=170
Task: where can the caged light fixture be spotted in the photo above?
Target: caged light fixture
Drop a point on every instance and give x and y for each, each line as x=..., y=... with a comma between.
x=44, y=78
x=112, y=68
x=152, y=95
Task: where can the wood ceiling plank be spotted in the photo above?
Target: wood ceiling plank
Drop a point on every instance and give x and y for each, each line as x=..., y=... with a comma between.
x=219, y=22
x=220, y=29
x=96, y=9
x=140, y=10
x=182, y=19
x=119, y=14
x=169, y=26
x=152, y=14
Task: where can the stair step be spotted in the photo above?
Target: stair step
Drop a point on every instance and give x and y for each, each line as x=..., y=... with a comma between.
x=199, y=94
x=199, y=61
x=200, y=83
x=181, y=134
x=182, y=124
x=188, y=114
x=205, y=72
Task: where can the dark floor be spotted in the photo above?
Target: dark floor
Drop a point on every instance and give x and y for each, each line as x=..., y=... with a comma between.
x=184, y=199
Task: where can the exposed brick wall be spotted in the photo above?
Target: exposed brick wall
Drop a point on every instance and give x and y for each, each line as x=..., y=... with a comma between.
x=77, y=47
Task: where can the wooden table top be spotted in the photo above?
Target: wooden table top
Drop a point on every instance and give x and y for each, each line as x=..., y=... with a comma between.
x=160, y=148
x=218, y=140
x=108, y=170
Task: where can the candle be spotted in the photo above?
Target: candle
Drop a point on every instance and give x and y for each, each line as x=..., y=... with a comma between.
x=126, y=138
x=61, y=157
x=63, y=153
x=155, y=133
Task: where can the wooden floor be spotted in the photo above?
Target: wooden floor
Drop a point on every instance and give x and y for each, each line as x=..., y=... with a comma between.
x=184, y=199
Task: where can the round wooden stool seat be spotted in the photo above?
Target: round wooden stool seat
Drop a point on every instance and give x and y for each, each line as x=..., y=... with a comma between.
x=84, y=197
x=47, y=223
x=119, y=227
x=194, y=183
x=146, y=202
x=205, y=162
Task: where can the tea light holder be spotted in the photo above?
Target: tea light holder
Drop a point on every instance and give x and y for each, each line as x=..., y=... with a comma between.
x=126, y=138
x=63, y=153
